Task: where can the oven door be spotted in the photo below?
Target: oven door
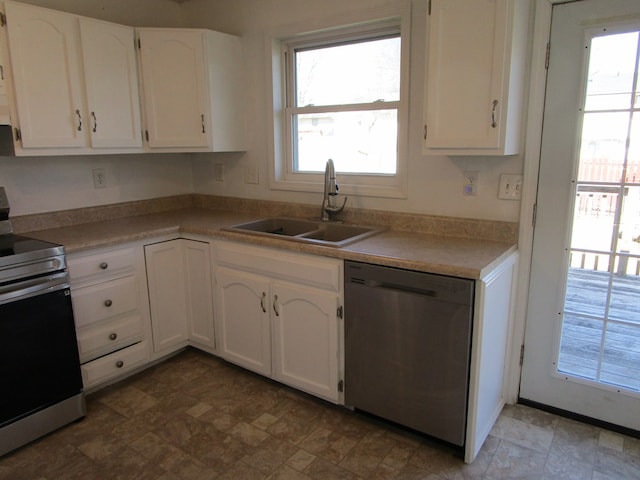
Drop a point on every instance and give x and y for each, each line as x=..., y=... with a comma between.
x=39, y=363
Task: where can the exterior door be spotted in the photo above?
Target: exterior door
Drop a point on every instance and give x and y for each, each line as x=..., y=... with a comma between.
x=582, y=340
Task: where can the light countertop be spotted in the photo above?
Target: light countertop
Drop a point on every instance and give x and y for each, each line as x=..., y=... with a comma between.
x=441, y=254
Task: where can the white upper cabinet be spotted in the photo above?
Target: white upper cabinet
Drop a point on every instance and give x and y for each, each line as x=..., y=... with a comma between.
x=75, y=82
x=477, y=55
x=45, y=58
x=191, y=87
x=111, y=80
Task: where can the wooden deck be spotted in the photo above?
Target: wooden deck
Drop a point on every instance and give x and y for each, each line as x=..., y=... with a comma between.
x=582, y=333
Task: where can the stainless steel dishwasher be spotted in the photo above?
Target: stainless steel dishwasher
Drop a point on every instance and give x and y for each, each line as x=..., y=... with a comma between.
x=407, y=347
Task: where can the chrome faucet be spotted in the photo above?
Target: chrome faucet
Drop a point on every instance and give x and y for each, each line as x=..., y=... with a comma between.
x=330, y=191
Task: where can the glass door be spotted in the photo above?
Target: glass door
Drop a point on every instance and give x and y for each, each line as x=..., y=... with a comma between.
x=600, y=339
x=582, y=339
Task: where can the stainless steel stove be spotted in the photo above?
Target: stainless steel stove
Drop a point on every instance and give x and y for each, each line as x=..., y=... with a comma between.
x=40, y=375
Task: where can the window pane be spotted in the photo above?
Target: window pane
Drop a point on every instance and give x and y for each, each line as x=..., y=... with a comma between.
x=611, y=66
x=353, y=73
x=580, y=346
x=358, y=142
x=594, y=218
x=604, y=141
x=622, y=356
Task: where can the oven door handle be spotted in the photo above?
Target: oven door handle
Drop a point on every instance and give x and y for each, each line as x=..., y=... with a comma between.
x=34, y=286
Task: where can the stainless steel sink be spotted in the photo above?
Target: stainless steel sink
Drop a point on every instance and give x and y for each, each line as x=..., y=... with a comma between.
x=307, y=231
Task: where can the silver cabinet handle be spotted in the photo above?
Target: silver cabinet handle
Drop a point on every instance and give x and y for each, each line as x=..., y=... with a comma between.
x=104, y=265
x=264, y=296
x=493, y=114
x=275, y=305
x=202, y=118
x=113, y=336
x=79, y=120
x=95, y=122
x=119, y=364
x=108, y=303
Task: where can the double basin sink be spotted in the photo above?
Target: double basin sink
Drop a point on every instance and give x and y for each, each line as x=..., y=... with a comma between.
x=307, y=231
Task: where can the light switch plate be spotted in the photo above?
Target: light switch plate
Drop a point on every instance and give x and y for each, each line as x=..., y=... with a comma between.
x=510, y=187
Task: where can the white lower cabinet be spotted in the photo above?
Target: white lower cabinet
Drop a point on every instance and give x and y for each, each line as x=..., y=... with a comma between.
x=278, y=314
x=108, y=292
x=305, y=339
x=179, y=281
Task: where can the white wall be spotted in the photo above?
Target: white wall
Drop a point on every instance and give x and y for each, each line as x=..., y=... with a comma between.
x=435, y=183
x=44, y=184
x=137, y=13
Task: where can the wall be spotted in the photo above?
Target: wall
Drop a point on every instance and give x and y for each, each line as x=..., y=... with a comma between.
x=435, y=183
x=44, y=184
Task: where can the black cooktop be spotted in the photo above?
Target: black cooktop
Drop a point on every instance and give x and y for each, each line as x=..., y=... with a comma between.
x=16, y=249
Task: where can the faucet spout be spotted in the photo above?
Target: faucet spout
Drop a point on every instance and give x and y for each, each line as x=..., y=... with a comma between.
x=330, y=191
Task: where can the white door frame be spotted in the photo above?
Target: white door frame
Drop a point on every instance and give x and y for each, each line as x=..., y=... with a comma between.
x=531, y=165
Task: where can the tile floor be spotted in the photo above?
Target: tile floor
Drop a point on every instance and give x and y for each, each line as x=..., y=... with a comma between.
x=197, y=417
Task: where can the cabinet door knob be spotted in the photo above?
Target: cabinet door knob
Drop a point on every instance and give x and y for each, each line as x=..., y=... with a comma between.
x=113, y=336
x=119, y=364
x=108, y=303
x=104, y=265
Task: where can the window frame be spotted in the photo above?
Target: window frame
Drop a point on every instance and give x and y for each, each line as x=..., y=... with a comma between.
x=282, y=174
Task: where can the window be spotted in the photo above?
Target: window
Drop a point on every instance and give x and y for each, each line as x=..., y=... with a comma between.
x=342, y=103
x=343, y=96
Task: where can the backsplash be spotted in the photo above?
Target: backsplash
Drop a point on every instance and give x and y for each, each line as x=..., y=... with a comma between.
x=428, y=224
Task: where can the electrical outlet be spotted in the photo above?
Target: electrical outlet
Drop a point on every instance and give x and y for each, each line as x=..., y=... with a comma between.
x=510, y=187
x=470, y=183
x=218, y=172
x=99, y=178
x=252, y=175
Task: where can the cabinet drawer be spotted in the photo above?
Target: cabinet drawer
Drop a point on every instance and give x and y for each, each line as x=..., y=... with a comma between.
x=312, y=270
x=105, y=338
x=115, y=364
x=100, y=265
x=105, y=300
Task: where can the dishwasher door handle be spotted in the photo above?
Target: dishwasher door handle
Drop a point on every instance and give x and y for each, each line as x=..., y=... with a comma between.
x=401, y=288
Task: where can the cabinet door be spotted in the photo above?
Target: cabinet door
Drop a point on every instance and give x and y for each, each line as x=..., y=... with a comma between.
x=242, y=316
x=175, y=91
x=464, y=95
x=45, y=58
x=112, y=84
x=167, y=295
x=199, y=292
x=305, y=343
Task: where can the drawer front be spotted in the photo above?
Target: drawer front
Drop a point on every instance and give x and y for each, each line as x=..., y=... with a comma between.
x=104, y=301
x=107, y=337
x=115, y=364
x=312, y=270
x=100, y=265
